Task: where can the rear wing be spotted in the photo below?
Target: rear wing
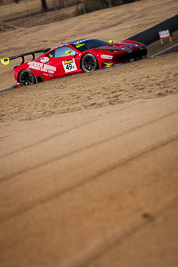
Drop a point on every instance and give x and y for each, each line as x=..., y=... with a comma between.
x=6, y=61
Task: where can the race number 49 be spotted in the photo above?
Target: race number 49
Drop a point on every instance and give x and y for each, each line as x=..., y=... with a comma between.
x=69, y=65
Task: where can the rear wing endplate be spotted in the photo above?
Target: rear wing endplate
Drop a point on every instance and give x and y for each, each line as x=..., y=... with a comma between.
x=6, y=61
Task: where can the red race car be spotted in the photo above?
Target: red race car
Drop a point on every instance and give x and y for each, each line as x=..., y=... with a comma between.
x=83, y=55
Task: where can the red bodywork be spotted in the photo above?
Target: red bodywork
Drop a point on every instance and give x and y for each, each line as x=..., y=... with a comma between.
x=47, y=67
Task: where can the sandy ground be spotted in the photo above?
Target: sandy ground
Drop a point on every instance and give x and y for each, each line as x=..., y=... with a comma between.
x=89, y=162
x=92, y=188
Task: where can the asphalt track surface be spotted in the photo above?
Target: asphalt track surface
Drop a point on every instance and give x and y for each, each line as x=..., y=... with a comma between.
x=98, y=188
x=168, y=50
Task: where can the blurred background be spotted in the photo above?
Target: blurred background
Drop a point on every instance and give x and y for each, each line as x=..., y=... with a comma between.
x=29, y=13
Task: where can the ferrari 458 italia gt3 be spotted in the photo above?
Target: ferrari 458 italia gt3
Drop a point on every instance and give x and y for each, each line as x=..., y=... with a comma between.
x=82, y=55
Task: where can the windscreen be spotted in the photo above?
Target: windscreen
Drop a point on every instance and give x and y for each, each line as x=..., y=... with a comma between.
x=85, y=44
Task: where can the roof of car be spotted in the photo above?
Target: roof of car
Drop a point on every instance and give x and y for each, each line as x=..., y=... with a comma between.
x=79, y=41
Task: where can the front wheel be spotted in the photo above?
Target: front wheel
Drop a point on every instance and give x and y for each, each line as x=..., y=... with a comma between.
x=26, y=77
x=89, y=63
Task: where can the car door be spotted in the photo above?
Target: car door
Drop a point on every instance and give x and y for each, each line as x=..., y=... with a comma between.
x=63, y=61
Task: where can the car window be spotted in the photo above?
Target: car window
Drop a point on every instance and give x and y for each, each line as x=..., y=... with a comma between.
x=61, y=51
x=83, y=45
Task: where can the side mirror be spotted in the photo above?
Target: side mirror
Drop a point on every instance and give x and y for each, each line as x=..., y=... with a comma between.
x=68, y=53
x=111, y=41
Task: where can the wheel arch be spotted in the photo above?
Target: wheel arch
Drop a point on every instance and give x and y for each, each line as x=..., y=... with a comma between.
x=19, y=74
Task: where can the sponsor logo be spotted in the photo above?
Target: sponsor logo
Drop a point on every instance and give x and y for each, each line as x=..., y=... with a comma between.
x=68, y=61
x=164, y=34
x=79, y=45
x=81, y=41
x=106, y=57
x=44, y=59
x=42, y=67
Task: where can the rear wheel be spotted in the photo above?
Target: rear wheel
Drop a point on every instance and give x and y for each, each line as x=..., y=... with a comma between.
x=26, y=77
x=89, y=63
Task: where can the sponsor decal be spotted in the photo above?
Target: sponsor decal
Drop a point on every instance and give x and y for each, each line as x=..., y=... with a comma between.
x=106, y=57
x=68, y=61
x=44, y=59
x=79, y=45
x=81, y=41
x=42, y=67
x=69, y=65
x=164, y=34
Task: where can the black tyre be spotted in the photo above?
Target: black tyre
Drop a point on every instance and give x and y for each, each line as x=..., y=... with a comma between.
x=26, y=77
x=89, y=63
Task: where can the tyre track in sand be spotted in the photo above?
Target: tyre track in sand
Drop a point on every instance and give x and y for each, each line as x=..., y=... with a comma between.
x=72, y=153
x=58, y=194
